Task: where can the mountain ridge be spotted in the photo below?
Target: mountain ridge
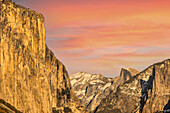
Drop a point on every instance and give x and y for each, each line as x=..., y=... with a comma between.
x=92, y=88
x=137, y=94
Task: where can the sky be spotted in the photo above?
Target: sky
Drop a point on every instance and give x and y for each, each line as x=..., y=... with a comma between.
x=103, y=36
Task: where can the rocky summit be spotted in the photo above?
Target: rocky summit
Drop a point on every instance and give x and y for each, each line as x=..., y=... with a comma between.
x=32, y=79
x=146, y=92
x=92, y=88
x=125, y=74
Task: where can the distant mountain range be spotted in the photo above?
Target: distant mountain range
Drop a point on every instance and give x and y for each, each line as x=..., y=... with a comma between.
x=130, y=92
x=92, y=88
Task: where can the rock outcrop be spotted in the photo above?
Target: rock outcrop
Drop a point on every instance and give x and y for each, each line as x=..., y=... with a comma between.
x=32, y=79
x=7, y=108
x=146, y=92
x=92, y=88
x=125, y=74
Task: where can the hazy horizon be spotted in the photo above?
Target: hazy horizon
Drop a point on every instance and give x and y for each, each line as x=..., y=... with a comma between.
x=101, y=37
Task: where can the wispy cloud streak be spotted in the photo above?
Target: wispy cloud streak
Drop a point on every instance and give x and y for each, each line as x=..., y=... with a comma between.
x=102, y=36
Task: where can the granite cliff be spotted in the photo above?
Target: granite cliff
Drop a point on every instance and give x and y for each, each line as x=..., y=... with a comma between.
x=146, y=92
x=32, y=79
x=125, y=74
x=92, y=88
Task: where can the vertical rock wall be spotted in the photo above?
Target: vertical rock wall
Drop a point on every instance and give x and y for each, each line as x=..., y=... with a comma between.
x=31, y=78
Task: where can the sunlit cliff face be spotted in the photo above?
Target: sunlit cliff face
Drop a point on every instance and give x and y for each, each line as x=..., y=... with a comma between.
x=103, y=36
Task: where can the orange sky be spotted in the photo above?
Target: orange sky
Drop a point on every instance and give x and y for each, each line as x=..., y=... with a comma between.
x=102, y=36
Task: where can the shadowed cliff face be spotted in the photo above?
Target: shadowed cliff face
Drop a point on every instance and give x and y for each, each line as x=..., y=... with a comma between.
x=167, y=108
x=31, y=78
x=147, y=92
x=145, y=87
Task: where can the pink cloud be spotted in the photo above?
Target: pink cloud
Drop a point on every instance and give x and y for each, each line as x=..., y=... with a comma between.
x=102, y=36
